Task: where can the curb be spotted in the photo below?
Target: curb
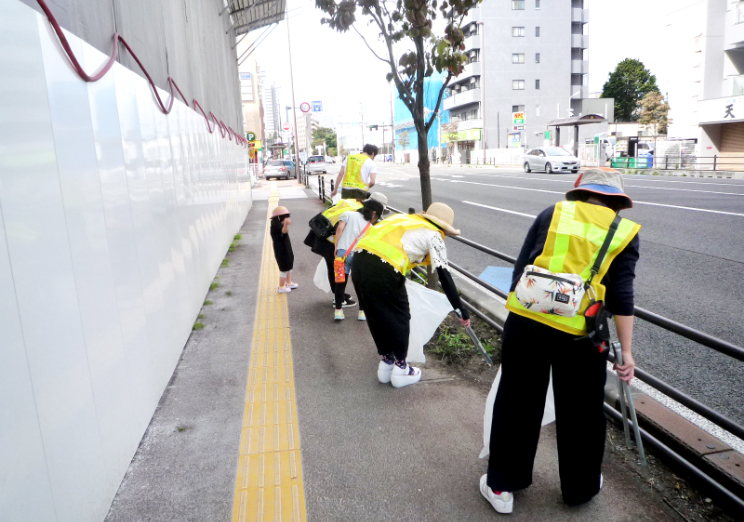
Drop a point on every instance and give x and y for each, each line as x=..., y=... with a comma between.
x=684, y=173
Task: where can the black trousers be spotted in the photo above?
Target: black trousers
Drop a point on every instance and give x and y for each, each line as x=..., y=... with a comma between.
x=530, y=351
x=382, y=295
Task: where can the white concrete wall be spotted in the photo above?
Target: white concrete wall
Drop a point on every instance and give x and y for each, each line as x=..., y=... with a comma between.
x=113, y=221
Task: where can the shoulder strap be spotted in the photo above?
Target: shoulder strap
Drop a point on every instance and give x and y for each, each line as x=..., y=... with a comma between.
x=351, y=247
x=603, y=250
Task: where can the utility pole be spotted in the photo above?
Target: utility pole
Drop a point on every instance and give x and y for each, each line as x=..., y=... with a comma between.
x=291, y=80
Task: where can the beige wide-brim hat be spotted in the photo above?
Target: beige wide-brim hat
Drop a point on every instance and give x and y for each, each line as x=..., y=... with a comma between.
x=279, y=211
x=442, y=216
x=379, y=197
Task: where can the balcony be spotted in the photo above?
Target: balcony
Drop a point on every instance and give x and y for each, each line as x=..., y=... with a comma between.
x=464, y=98
x=579, y=67
x=734, y=33
x=580, y=16
x=473, y=42
x=471, y=69
x=580, y=41
x=473, y=16
x=469, y=124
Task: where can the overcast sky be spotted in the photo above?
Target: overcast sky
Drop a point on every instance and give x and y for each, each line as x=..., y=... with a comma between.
x=328, y=65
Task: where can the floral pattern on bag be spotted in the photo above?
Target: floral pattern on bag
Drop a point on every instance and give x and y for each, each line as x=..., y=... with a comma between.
x=543, y=291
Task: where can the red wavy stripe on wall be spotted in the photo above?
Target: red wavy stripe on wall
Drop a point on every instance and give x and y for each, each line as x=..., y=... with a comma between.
x=224, y=130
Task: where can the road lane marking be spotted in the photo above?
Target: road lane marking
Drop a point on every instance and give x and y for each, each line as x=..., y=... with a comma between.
x=500, y=209
x=269, y=484
x=635, y=202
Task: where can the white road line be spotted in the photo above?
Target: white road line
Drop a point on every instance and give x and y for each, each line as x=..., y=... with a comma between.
x=500, y=209
x=634, y=201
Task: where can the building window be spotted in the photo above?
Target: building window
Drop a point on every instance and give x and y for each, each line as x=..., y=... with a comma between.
x=739, y=12
x=537, y=57
x=518, y=5
x=517, y=108
x=537, y=111
x=537, y=84
x=537, y=4
x=518, y=58
x=518, y=85
x=537, y=31
x=517, y=31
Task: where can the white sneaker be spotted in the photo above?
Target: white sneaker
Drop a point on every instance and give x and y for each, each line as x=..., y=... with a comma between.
x=383, y=372
x=401, y=377
x=293, y=286
x=503, y=503
x=601, y=480
x=361, y=316
x=283, y=290
x=338, y=315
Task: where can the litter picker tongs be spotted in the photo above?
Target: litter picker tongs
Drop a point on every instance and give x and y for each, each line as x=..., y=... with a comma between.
x=476, y=341
x=624, y=389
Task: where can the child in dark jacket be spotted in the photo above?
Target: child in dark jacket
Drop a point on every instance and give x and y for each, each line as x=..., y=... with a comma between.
x=280, y=222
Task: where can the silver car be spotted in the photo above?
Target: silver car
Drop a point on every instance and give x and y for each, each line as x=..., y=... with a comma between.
x=279, y=169
x=316, y=164
x=550, y=159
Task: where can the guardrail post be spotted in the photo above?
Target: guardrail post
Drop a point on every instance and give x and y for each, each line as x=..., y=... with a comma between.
x=715, y=160
x=331, y=184
x=666, y=162
x=320, y=188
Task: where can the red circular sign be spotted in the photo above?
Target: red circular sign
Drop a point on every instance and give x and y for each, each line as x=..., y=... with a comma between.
x=305, y=107
x=285, y=126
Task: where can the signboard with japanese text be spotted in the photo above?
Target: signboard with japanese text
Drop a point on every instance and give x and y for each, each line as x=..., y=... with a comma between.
x=246, y=86
x=721, y=110
x=515, y=140
x=518, y=118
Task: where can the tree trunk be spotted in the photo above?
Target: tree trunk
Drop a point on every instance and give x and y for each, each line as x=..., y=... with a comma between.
x=424, y=170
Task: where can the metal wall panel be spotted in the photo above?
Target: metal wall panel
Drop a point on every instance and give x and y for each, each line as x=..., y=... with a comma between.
x=113, y=221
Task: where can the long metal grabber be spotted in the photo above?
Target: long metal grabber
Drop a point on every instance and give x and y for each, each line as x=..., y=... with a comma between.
x=717, y=344
x=476, y=341
x=626, y=394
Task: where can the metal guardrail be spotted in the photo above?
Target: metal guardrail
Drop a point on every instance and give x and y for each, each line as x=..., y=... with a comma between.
x=714, y=163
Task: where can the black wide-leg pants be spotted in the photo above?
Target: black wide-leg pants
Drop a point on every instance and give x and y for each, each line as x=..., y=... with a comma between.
x=530, y=351
x=382, y=295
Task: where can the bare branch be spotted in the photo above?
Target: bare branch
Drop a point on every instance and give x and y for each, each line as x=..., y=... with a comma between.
x=370, y=48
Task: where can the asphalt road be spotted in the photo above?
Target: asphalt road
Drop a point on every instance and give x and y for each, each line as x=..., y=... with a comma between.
x=691, y=266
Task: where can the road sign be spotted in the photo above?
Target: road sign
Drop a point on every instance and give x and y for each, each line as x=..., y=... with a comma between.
x=250, y=136
x=305, y=107
x=285, y=126
x=518, y=118
x=317, y=106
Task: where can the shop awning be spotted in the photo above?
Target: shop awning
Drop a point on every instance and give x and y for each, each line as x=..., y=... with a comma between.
x=254, y=14
x=577, y=120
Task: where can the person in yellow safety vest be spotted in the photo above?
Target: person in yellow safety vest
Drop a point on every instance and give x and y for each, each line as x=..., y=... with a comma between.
x=383, y=257
x=358, y=174
x=325, y=248
x=564, y=238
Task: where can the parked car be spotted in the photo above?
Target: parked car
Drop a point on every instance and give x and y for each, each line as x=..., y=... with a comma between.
x=550, y=159
x=329, y=159
x=280, y=169
x=316, y=164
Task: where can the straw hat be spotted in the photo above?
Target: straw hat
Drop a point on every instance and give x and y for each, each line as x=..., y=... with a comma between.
x=607, y=182
x=443, y=217
x=279, y=211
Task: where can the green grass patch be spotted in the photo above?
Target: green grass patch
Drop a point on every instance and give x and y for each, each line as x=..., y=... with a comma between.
x=228, y=293
x=214, y=286
x=455, y=345
x=198, y=326
x=226, y=261
x=208, y=302
x=232, y=247
x=238, y=237
x=201, y=316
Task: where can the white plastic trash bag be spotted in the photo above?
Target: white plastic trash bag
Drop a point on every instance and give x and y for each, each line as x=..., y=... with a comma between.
x=548, y=414
x=321, y=277
x=428, y=310
x=335, y=199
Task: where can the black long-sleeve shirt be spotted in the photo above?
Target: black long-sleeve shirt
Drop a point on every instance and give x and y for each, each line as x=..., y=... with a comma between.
x=618, y=280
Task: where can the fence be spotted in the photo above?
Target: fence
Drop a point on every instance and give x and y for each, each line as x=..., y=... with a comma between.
x=682, y=162
x=702, y=338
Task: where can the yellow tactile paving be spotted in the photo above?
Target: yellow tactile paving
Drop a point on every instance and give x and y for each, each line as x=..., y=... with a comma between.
x=269, y=484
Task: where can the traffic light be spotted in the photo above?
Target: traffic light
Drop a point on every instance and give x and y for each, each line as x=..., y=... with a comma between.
x=373, y=127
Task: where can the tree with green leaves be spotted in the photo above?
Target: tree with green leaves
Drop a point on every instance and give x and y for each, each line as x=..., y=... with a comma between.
x=412, y=51
x=655, y=113
x=324, y=135
x=628, y=84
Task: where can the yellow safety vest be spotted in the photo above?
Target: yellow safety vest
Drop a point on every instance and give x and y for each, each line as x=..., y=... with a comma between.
x=576, y=234
x=353, y=173
x=334, y=213
x=384, y=240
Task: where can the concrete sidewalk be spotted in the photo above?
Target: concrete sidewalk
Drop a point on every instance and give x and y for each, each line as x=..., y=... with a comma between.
x=369, y=452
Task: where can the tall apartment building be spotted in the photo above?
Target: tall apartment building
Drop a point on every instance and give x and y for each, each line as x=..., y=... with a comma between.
x=306, y=124
x=272, y=126
x=706, y=50
x=526, y=57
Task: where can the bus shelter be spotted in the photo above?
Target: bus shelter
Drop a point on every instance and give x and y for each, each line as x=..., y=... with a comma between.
x=574, y=122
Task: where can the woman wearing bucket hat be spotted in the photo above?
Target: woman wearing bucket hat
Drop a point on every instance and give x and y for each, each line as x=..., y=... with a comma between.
x=567, y=239
x=383, y=257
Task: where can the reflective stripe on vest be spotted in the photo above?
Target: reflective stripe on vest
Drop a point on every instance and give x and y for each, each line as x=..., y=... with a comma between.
x=384, y=240
x=576, y=234
x=353, y=172
x=336, y=211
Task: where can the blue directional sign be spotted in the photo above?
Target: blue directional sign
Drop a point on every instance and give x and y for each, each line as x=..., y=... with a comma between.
x=317, y=106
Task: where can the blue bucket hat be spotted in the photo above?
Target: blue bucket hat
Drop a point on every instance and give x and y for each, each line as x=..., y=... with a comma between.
x=607, y=182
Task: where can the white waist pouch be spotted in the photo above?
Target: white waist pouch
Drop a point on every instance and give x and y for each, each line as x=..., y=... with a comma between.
x=541, y=290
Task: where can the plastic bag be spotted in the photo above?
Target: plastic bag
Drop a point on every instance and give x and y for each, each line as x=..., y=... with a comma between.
x=548, y=414
x=335, y=199
x=428, y=310
x=321, y=277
